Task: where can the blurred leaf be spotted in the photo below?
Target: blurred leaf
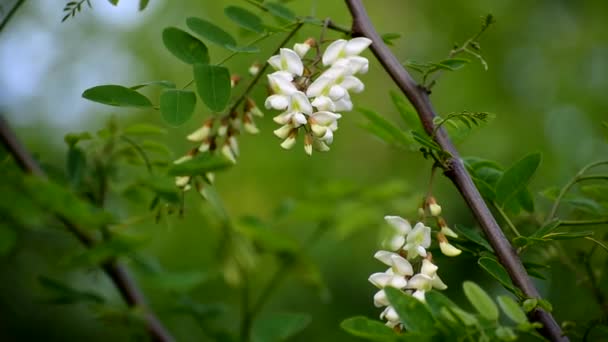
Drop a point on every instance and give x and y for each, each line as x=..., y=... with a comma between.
x=512, y=309
x=280, y=11
x=210, y=31
x=213, y=85
x=163, y=188
x=388, y=38
x=143, y=4
x=385, y=130
x=243, y=49
x=426, y=141
x=267, y=238
x=526, y=200
x=75, y=165
x=8, y=239
x=62, y=293
x=244, y=18
x=200, y=164
x=118, y=245
x=200, y=311
x=505, y=334
x=452, y=64
x=473, y=236
x=566, y=235
x=278, y=326
x=546, y=229
x=310, y=273
x=480, y=300
x=499, y=273
x=516, y=178
x=116, y=95
x=605, y=125
x=74, y=138
x=437, y=302
x=413, y=313
x=368, y=329
x=163, y=84
x=144, y=129
x=180, y=282
x=184, y=46
x=177, y=106
x=406, y=111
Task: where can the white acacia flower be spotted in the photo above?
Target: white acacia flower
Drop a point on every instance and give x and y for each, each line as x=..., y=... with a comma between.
x=448, y=232
x=344, y=104
x=290, y=141
x=283, y=131
x=448, y=249
x=343, y=49
x=323, y=103
x=402, y=228
x=298, y=107
x=287, y=60
x=319, y=145
x=399, y=265
x=282, y=88
x=391, y=316
x=417, y=241
x=323, y=121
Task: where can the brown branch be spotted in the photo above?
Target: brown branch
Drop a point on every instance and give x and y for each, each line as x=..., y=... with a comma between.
x=457, y=173
x=118, y=273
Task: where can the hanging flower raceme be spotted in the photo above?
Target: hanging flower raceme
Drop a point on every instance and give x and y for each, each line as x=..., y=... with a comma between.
x=411, y=268
x=314, y=104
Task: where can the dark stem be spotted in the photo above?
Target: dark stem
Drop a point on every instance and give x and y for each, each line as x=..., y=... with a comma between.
x=457, y=173
x=10, y=14
x=118, y=273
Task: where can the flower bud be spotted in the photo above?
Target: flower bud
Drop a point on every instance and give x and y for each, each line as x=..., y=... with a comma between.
x=308, y=144
x=227, y=152
x=320, y=145
x=448, y=250
x=302, y=48
x=201, y=133
x=251, y=107
x=448, y=232
x=254, y=69
x=234, y=144
x=234, y=80
x=210, y=176
x=283, y=131
x=182, y=181
x=435, y=209
x=290, y=141
x=223, y=129
x=205, y=145
x=182, y=159
x=249, y=125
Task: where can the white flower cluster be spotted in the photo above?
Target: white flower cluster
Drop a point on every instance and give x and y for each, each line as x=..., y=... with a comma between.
x=315, y=104
x=408, y=248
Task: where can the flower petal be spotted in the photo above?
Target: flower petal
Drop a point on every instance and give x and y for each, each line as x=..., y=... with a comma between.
x=351, y=83
x=275, y=62
x=396, y=242
x=400, y=265
x=283, y=118
x=278, y=102
x=384, y=257
x=449, y=250
x=291, y=62
x=379, y=279
x=333, y=51
x=398, y=282
x=356, y=45
x=419, y=294
x=323, y=103
x=380, y=299
x=298, y=119
x=400, y=224
x=438, y=283
x=336, y=92
x=318, y=87
x=428, y=268
x=358, y=65
x=420, y=282
x=300, y=103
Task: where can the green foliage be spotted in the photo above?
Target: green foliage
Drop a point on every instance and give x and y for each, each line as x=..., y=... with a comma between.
x=184, y=46
x=177, y=106
x=8, y=239
x=512, y=309
x=368, y=329
x=200, y=164
x=498, y=272
x=212, y=85
x=279, y=326
x=461, y=124
x=244, y=18
x=61, y=293
x=388, y=38
x=279, y=11
x=516, y=178
x=385, y=130
x=480, y=300
x=116, y=95
x=210, y=32
x=163, y=84
x=414, y=315
x=73, y=7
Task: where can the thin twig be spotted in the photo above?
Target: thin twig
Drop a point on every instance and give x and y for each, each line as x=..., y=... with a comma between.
x=10, y=14
x=457, y=173
x=118, y=273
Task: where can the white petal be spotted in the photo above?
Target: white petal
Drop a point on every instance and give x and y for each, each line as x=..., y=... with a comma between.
x=358, y=65
x=351, y=83
x=182, y=181
x=325, y=118
x=400, y=265
x=420, y=282
x=328, y=138
x=291, y=62
x=385, y=257
x=275, y=62
x=428, y=268
x=283, y=131
x=391, y=314
x=318, y=130
x=227, y=152
x=200, y=134
x=380, y=280
x=448, y=232
x=400, y=224
x=448, y=250
x=356, y=45
x=234, y=145
x=278, y=102
x=438, y=283
x=435, y=209
x=283, y=118
x=281, y=85
x=320, y=145
x=301, y=49
x=300, y=103
x=319, y=87
x=289, y=142
x=333, y=51
x=344, y=104
x=336, y=92
x=398, y=282
x=419, y=294
x=287, y=76
x=298, y=119
x=323, y=103
x=204, y=146
x=182, y=159
x=380, y=299
x=251, y=128
x=421, y=251
x=396, y=242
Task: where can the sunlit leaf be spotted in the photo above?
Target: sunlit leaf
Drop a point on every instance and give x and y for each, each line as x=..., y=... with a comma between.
x=516, y=178
x=177, y=106
x=278, y=326
x=210, y=31
x=213, y=85
x=480, y=300
x=116, y=95
x=244, y=18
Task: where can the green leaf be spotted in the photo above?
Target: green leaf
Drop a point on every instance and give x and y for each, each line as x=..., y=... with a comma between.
x=75, y=165
x=210, y=31
x=437, y=302
x=163, y=83
x=8, y=239
x=546, y=229
x=566, y=235
x=73, y=138
x=267, y=238
x=143, y=4
x=118, y=245
x=278, y=326
x=279, y=11
x=496, y=270
x=605, y=125
x=180, y=282
x=426, y=141
x=512, y=309
x=113, y=2
x=413, y=313
x=185, y=46
x=243, y=49
x=244, y=18
x=65, y=294
x=213, y=85
x=368, y=329
x=116, y=95
x=526, y=200
x=480, y=300
x=453, y=64
x=201, y=164
x=177, y=106
x=516, y=178
x=473, y=236
x=406, y=111
x=144, y=129
x=162, y=187
x=388, y=38
x=505, y=334
x=385, y=130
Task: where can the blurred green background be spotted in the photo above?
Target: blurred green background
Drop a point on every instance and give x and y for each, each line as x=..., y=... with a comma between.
x=546, y=83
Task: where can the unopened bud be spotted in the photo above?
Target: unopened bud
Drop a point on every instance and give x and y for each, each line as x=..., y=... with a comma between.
x=182, y=181
x=434, y=208
x=249, y=125
x=182, y=159
x=448, y=250
x=320, y=145
x=234, y=144
x=302, y=48
x=210, y=176
x=223, y=129
x=234, y=80
x=421, y=212
x=205, y=146
x=290, y=141
x=308, y=144
x=227, y=152
x=202, y=133
x=448, y=232
x=254, y=69
x=251, y=107
x=283, y=131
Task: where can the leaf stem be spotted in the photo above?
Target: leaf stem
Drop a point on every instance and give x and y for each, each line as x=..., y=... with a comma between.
x=506, y=218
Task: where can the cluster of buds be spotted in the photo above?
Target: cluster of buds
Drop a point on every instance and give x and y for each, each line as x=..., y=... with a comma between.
x=219, y=134
x=407, y=252
x=314, y=103
x=434, y=209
